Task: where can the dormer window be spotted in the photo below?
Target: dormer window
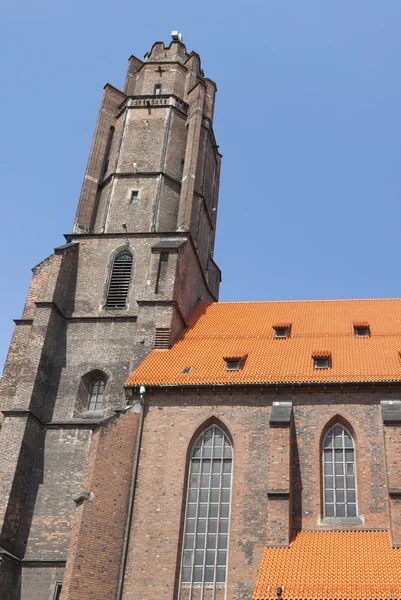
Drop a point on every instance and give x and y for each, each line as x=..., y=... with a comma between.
x=281, y=332
x=361, y=331
x=234, y=363
x=322, y=361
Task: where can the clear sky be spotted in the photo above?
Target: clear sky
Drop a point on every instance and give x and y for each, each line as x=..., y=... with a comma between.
x=308, y=120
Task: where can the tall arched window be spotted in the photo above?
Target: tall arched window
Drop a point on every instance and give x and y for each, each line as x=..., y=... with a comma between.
x=339, y=484
x=204, y=555
x=96, y=394
x=119, y=280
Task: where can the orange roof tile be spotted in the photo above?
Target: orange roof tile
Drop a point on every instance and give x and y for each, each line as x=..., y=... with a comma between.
x=218, y=330
x=332, y=565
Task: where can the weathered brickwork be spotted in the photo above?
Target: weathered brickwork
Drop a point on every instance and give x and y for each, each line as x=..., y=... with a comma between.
x=19, y=437
x=279, y=484
x=40, y=581
x=153, y=144
x=99, y=524
x=57, y=479
x=172, y=423
x=361, y=414
x=261, y=464
x=93, y=495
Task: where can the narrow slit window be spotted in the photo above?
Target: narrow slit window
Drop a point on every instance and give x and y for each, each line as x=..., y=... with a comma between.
x=339, y=483
x=134, y=197
x=205, y=543
x=119, y=281
x=96, y=394
x=161, y=273
x=57, y=591
x=157, y=89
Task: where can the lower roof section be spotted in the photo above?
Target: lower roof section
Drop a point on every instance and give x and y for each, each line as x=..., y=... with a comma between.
x=332, y=565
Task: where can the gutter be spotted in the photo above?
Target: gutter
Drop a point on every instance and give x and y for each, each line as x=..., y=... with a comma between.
x=374, y=386
x=131, y=499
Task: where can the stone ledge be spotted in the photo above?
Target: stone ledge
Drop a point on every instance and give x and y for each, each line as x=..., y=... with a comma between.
x=278, y=492
x=342, y=521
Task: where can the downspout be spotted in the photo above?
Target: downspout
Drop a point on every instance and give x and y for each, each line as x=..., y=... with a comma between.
x=131, y=498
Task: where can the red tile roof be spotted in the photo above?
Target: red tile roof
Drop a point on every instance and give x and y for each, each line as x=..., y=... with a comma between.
x=332, y=565
x=318, y=328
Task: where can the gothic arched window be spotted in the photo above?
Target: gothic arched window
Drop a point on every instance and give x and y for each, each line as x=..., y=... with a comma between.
x=96, y=394
x=204, y=555
x=339, y=486
x=119, y=280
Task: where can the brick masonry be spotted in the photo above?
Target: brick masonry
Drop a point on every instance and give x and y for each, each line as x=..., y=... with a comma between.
x=95, y=549
x=261, y=463
x=164, y=148
x=55, y=451
x=151, y=145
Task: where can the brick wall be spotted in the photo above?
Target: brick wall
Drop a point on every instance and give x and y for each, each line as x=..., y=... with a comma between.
x=39, y=581
x=57, y=479
x=66, y=333
x=98, y=527
x=172, y=420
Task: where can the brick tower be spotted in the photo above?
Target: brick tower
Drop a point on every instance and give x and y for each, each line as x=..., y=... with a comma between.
x=139, y=259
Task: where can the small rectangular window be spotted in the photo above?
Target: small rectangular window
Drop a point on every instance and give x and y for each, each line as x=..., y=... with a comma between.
x=321, y=362
x=134, y=197
x=281, y=332
x=157, y=89
x=361, y=331
x=233, y=365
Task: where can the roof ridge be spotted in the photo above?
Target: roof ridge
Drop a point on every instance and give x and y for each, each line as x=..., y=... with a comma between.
x=301, y=301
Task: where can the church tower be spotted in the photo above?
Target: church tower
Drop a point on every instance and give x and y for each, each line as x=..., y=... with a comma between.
x=137, y=263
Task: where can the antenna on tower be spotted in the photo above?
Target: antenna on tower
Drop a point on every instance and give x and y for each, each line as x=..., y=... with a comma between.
x=176, y=36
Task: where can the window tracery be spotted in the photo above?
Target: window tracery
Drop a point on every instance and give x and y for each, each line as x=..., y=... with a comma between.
x=96, y=394
x=339, y=481
x=204, y=557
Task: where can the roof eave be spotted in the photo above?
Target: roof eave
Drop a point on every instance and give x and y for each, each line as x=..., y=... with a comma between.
x=293, y=385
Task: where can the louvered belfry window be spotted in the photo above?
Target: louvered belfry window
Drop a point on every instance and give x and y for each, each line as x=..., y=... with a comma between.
x=119, y=281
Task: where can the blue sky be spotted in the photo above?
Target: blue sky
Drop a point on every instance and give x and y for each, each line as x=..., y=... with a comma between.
x=308, y=119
